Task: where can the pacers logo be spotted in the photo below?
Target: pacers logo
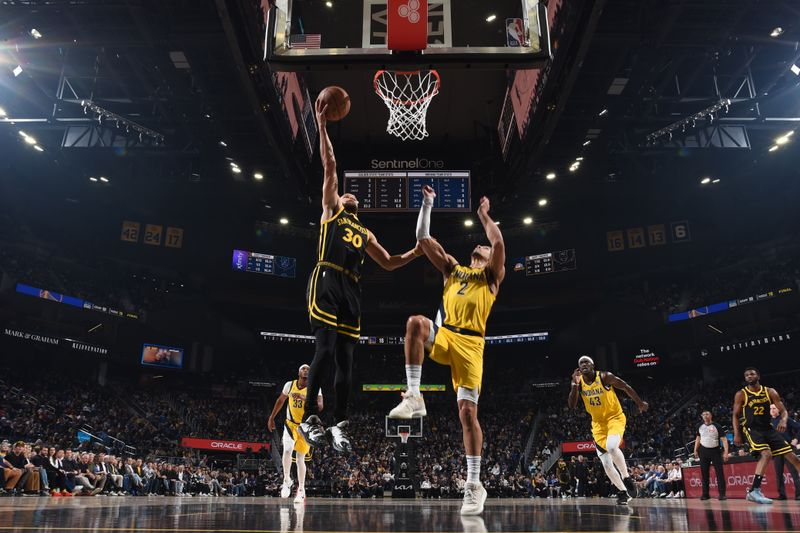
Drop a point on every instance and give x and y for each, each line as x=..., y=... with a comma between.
x=410, y=11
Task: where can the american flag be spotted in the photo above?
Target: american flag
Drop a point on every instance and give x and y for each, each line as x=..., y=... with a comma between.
x=305, y=40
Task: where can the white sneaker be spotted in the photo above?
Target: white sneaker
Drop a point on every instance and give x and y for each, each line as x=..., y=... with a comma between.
x=681, y=494
x=671, y=495
x=286, y=491
x=300, y=497
x=411, y=406
x=474, y=498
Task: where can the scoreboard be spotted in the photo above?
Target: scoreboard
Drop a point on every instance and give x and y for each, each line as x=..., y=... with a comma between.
x=402, y=191
x=550, y=262
x=275, y=265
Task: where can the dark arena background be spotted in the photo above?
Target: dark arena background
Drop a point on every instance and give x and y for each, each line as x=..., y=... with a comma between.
x=160, y=210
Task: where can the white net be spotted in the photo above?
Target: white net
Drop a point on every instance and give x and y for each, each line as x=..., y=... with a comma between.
x=407, y=95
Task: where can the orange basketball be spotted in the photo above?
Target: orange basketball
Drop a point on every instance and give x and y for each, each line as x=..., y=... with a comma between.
x=337, y=100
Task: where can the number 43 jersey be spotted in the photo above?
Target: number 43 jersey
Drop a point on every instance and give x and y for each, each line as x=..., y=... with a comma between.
x=334, y=292
x=601, y=401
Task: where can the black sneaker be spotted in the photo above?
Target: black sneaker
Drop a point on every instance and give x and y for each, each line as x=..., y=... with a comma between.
x=631, y=486
x=722, y=497
x=782, y=497
x=313, y=431
x=339, y=438
x=623, y=497
x=705, y=497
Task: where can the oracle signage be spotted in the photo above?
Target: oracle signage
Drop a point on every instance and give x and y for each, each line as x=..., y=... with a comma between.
x=223, y=445
x=738, y=478
x=581, y=447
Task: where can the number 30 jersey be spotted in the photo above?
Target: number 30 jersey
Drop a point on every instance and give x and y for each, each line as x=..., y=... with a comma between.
x=466, y=301
x=343, y=243
x=601, y=401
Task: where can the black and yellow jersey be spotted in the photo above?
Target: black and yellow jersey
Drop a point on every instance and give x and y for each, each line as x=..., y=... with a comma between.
x=755, y=409
x=343, y=244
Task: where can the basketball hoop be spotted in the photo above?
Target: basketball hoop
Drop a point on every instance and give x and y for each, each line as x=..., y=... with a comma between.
x=404, y=432
x=407, y=94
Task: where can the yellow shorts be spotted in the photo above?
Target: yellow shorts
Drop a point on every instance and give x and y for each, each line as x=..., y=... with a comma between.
x=612, y=426
x=300, y=444
x=463, y=354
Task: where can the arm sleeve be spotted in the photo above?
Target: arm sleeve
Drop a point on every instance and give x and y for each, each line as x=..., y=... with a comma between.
x=424, y=219
x=287, y=388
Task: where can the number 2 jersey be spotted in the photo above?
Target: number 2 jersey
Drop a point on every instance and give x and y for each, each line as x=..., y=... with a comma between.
x=466, y=301
x=334, y=291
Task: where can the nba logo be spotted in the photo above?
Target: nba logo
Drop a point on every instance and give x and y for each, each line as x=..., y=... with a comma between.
x=515, y=32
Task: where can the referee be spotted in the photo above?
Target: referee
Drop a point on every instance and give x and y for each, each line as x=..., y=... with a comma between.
x=707, y=449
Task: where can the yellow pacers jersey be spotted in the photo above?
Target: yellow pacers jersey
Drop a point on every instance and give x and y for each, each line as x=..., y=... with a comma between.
x=296, y=404
x=467, y=300
x=601, y=402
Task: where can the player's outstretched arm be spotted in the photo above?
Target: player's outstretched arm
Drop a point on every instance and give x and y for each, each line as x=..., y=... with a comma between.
x=275, y=410
x=331, y=203
x=389, y=262
x=497, y=262
x=738, y=403
x=430, y=246
x=610, y=379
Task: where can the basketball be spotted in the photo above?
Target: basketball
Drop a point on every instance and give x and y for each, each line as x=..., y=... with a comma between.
x=337, y=100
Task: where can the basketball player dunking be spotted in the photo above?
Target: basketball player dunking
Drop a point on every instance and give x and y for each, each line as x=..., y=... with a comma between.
x=608, y=421
x=751, y=416
x=456, y=338
x=295, y=392
x=334, y=295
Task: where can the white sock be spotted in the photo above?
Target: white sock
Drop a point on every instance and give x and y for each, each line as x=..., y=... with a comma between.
x=301, y=471
x=413, y=377
x=611, y=471
x=473, y=468
x=619, y=461
x=287, y=467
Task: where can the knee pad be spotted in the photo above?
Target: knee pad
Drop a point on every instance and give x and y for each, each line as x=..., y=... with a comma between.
x=467, y=394
x=613, y=442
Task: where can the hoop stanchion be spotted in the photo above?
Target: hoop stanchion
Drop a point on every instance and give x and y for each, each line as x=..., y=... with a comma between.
x=407, y=95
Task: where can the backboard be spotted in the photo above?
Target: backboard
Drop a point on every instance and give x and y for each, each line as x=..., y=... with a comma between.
x=500, y=34
x=413, y=426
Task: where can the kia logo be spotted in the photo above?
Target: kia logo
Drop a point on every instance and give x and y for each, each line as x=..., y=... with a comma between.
x=410, y=11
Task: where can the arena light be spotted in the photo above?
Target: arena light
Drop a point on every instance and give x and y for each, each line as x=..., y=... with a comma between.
x=284, y=221
x=715, y=180
x=795, y=69
x=527, y=221
x=30, y=140
x=236, y=170
x=468, y=223
x=603, y=113
x=94, y=180
x=38, y=148
x=223, y=144
x=17, y=70
x=542, y=202
x=782, y=140
x=587, y=143
x=776, y=32
x=491, y=17
x=705, y=181
x=329, y=4
x=551, y=176
x=574, y=166
x=3, y=113
x=35, y=34
x=258, y=176
x=579, y=158
x=104, y=179
x=773, y=147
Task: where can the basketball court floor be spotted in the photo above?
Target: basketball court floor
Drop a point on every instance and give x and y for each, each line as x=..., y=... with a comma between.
x=250, y=515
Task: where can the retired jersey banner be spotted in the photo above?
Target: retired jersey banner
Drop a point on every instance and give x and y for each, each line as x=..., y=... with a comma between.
x=223, y=445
